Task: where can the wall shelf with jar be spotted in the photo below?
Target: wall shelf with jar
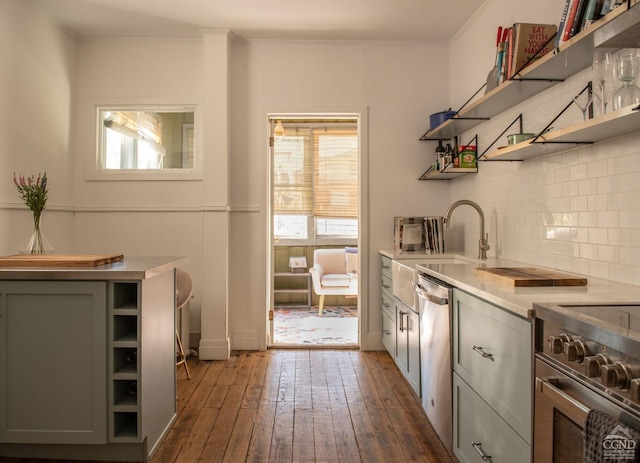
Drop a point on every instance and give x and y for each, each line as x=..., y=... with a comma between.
x=452, y=162
x=618, y=29
x=564, y=61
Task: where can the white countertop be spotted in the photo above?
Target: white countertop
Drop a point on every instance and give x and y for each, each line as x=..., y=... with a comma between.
x=518, y=300
x=131, y=268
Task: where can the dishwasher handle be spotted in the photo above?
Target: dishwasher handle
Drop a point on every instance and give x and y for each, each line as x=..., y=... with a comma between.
x=424, y=294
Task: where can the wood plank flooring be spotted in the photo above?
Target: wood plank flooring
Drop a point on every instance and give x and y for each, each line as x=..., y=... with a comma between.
x=291, y=405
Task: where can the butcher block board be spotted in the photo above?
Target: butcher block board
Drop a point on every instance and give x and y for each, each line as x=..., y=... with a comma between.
x=59, y=260
x=530, y=276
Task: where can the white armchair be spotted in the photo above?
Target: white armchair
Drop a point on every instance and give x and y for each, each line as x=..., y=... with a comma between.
x=334, y=272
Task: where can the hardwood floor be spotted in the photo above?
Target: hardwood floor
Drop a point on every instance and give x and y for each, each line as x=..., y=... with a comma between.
x=307, y=405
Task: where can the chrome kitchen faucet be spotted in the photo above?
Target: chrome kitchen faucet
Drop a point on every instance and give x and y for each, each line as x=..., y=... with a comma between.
x=483, y=243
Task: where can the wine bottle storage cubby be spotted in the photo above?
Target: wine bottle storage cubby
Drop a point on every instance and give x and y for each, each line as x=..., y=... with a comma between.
x=124, y=366
x=125, y=360
x=125, y=424
x=125, y=296
x=125, y=393
x=125, y=328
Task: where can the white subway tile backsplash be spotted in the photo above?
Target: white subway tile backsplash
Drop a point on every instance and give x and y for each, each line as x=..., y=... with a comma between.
x=598, y=236
x=609, y=253
x=630, y=218
x=588, y=187
x=608, y=219
x=578, y=172
x=577, y=210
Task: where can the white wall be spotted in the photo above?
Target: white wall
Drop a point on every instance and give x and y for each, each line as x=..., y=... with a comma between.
x=36, y=96
x=167, y=218
x=399, y=85
x=576, y=211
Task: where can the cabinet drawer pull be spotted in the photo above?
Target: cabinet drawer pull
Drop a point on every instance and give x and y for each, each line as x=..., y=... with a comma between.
x=478, y=447
x=385, y=267
x=386, y=286
x=402, y=314
x=386, y=305
x=479, y=350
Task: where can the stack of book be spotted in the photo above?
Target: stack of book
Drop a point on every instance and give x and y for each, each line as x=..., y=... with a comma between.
x=577, y=15
x=521, y=45
x=418, y=234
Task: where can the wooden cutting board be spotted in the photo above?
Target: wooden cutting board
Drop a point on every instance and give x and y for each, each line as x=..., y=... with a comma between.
x=530, y=276
x=59, y=260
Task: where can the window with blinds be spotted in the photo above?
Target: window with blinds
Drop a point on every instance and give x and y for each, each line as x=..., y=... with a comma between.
x=315, y=180
x=146, y=140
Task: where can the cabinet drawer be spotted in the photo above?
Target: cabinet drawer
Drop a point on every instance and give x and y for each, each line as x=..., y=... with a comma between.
x=492, y=352
x=388, y=305
x=387, y=285
x=385, y=266
x=389, y=332
x=474, y=422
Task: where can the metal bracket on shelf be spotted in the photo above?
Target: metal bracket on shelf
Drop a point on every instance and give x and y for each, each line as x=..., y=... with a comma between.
x=588, y=89
x=455, y=116
x=517, y=119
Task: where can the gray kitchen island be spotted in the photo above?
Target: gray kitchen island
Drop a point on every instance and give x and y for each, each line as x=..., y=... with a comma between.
x=87, y=359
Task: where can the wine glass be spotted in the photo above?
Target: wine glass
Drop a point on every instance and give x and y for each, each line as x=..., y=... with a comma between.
x=586, y=106
x=626, y=69
x=602, y=66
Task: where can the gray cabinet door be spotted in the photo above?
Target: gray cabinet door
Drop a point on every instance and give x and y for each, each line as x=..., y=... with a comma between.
x=402, y=339
x=53, y=362
x=479, y=431
x=492, y=352
x=388, y=332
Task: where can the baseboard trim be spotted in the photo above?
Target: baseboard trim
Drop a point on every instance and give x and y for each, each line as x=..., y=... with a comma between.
x=245, y=340
x=211, y=349
x=373, y=341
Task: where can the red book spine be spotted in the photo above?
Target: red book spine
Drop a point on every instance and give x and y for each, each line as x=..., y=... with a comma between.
x=567, y=25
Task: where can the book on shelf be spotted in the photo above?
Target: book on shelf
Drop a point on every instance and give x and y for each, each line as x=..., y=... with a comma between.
x=561, y=24
x=577, y=21
x=531, y=42
x=590, y=14
x=510, y=38
x=566, y=33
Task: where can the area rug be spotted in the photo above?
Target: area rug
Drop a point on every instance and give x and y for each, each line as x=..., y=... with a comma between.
x=302, y=326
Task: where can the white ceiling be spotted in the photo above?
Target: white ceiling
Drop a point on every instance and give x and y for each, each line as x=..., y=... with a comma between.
x=377, y=20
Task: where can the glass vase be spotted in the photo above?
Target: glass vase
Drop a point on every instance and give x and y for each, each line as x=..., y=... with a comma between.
x=627, y=68
x=38, y=242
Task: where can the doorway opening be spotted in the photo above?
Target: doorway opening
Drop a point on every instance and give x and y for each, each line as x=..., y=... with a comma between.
x=314, y=197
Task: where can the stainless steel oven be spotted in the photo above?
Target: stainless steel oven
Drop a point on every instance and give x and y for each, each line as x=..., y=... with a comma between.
x=587, y=365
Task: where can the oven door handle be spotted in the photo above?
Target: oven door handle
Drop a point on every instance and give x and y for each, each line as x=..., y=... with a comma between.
x=574, y=409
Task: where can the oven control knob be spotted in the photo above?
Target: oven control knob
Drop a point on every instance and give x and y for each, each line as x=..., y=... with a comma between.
x=556, y=343
x=614, y=374
x=593, y=363
x=575, y=351
x=635, y=390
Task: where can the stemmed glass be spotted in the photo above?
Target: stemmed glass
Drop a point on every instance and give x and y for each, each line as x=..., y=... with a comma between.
x=626, y=70
x=602, y=66
x=586, y=104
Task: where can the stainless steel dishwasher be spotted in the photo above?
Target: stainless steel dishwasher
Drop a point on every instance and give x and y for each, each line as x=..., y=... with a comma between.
x=435, y=354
